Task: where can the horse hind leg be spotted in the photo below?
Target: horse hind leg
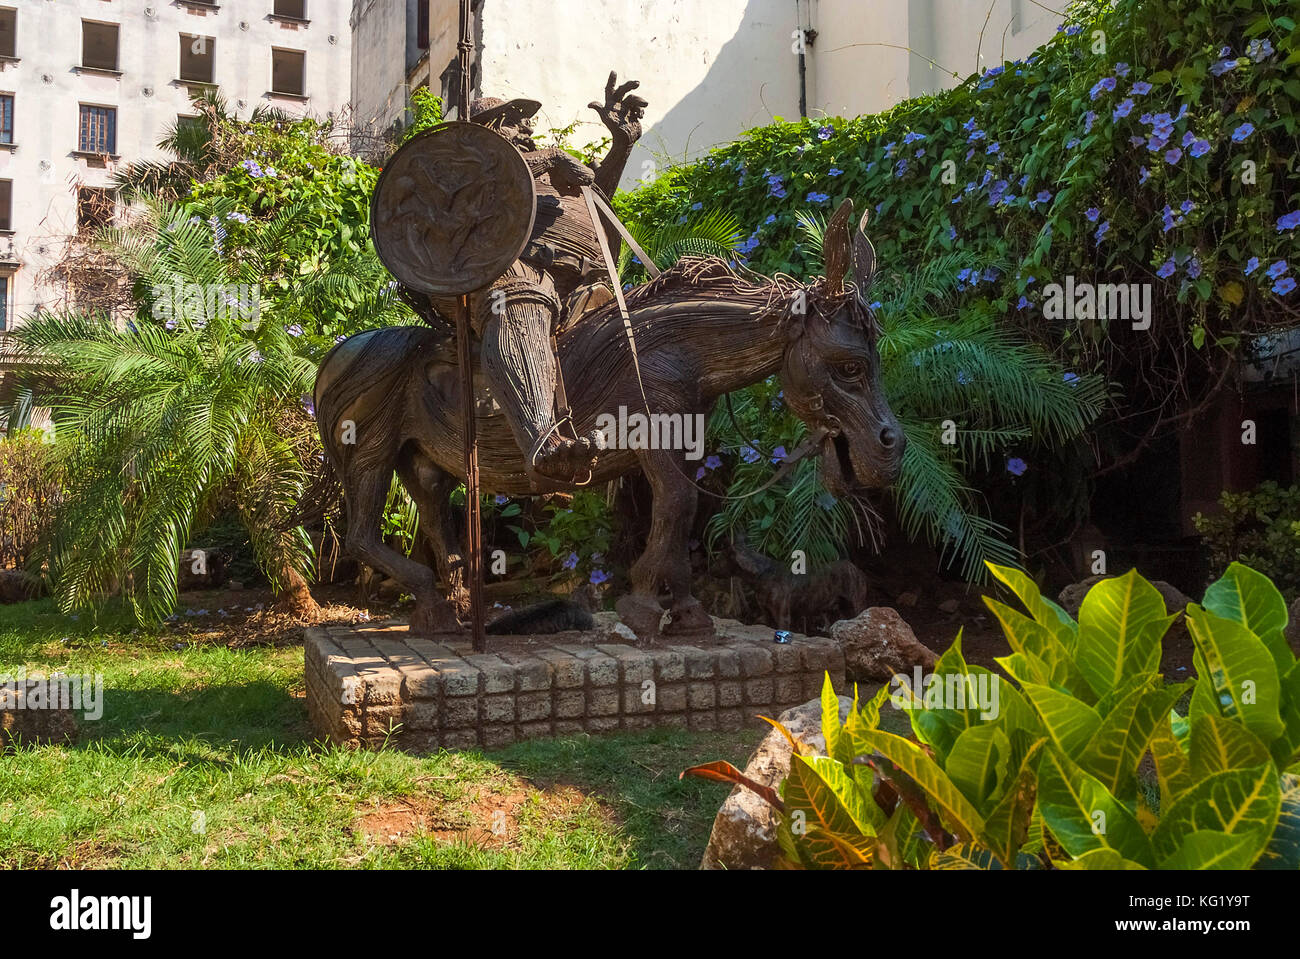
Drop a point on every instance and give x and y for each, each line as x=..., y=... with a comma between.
x=365, y=494
x=430, y=487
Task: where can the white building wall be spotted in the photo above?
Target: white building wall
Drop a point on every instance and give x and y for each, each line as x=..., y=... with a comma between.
x=48, y=90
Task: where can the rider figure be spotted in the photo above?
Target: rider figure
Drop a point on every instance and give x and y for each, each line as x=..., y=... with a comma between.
x=515, y=317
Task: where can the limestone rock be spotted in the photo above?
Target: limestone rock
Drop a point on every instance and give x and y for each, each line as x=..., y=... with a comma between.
x=1071, y=598
x=878, y=644
x=744, y=831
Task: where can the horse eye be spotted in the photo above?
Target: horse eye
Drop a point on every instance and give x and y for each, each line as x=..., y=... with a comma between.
x=851, y=370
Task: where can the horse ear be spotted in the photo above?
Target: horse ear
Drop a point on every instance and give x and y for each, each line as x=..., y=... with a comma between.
x=836, y=249
x=864, y=258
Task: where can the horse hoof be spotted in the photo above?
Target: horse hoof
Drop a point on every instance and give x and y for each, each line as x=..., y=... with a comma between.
x=690, y=620
x=640, y=614
x=434, y=619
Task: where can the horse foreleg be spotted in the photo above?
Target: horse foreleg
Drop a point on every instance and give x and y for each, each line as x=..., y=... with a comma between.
x=666, y=560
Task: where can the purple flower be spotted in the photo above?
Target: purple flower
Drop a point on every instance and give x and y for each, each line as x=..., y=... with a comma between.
x=1016, y=466
x=900, y=168
x=598, y=576
x=1200, y=148
x=1240, y=134
x=1092, y=213
x=294, y=330
x=1284, y=286
x=1288, y=221
x=699, y=473
x=825, y=133
x=1194, y=268
x=1173, y=156
x=749, y=454
x=1143, y=175
x=1259, y=50
x=1121, y=70
x=1122, y=109
x=1275, y=270
x=1252, y=265
x=254, y=170
x=571, y=562
x=712, y=463
x=1140, y=88
x=778, y=454
x=1166, y=269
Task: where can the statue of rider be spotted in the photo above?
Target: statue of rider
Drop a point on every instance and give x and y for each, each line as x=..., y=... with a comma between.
x=515, y=316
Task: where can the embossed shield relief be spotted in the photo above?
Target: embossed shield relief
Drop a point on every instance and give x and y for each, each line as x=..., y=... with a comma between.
x=453, y=209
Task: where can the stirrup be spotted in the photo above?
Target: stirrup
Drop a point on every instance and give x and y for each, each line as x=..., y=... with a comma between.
x=555, y=427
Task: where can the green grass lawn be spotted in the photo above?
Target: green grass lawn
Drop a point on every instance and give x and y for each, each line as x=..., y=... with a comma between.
x=204, y=758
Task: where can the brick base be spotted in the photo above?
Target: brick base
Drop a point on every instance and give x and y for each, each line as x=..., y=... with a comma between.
x=369, y=685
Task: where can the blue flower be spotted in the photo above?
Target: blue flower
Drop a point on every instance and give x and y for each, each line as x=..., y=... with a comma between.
x=969, y=125
x=1188, y=139
x=1072, y=30
x=1194, y=268
x=952, y=232
x=778, y=454
x=1143, y=175
x=962, y=377
x=254, y=170
x=1288, y=221
x=1122, y=109
x=1275, y=270
x=834, y=171
x=1240, y=134
x=294, y=330
x=994, y=147
x=240, y=217
x=1200, y=148
x=1105, y=83
x=571, y=562
x=1284, y=286
x=1187, y=206
x=697, y=206
x=771, y=218
x=825, y=133
x=1140, y=88
x=1252, y=265
x=598, y=576
x=913, y=137
x=976, y=135
x=1092, y=213
x=815, y=197
x=1024, y=302
x=1071, y=378
x=1016, y=466
x=1259, y=50
x=1222, y=67
x=501, y=499
x=1173, y=156
x=1102, y=231
x=900, y=168
x=712, y=463
x=1089, y=119
x=1071, y=143
x=749, y=454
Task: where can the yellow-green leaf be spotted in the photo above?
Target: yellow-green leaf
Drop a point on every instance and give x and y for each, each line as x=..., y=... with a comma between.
x=1239, y=802
x=1241, y=671
x=1121, y=622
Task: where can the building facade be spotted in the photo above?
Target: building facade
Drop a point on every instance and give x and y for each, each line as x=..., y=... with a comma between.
x=87, y=86
x=711, y=69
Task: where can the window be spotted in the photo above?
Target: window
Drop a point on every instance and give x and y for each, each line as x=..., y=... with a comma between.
x=422, y=24
x=8, y=32
x=98, y=132
x=95, y=208
x=293, y=9
x=6, y=118
x=6, y=204
x=98, y=45
x=287, y=70
x=198, y=58
x=4, y=301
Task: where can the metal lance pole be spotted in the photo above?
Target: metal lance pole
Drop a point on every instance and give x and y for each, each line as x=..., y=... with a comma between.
x=474, y=534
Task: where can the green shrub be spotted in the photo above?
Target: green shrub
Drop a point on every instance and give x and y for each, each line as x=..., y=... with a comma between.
x=31, y=488
x=1261, y=528
x=1046, y=773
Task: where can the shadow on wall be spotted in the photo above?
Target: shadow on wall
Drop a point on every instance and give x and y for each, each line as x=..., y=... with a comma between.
x=752, y=79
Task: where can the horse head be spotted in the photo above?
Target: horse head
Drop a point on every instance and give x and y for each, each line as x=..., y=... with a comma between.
x=831, y=369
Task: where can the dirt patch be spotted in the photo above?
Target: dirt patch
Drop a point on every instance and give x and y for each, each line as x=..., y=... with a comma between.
x=484, y=818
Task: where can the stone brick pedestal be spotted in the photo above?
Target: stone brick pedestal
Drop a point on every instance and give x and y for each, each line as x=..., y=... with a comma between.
x=366, y=685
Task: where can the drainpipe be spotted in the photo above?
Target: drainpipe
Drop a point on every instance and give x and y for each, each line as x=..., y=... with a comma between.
x=809, y=35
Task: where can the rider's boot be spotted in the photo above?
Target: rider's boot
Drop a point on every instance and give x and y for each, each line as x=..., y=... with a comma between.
x=517, y=360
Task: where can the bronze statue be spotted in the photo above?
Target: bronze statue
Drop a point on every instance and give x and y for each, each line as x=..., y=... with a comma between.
x=387, y=399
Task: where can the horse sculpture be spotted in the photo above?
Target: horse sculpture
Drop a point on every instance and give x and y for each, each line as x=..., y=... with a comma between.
x=387, y=401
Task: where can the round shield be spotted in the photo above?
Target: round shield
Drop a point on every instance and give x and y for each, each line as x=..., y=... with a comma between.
x=453, y=209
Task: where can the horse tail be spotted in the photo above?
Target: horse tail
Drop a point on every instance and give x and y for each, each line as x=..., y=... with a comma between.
x=359, y=395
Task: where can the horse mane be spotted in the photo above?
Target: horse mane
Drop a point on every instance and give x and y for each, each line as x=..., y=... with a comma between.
x=711, y=277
